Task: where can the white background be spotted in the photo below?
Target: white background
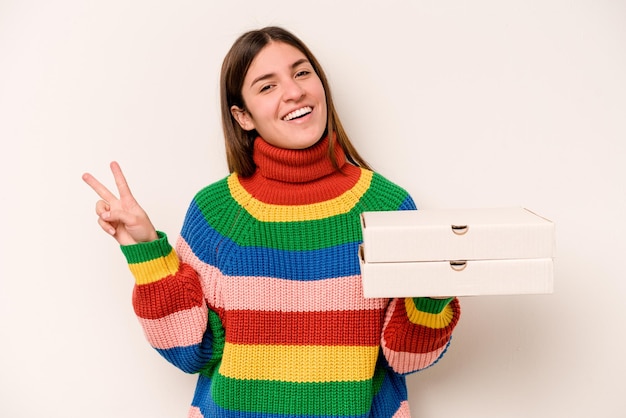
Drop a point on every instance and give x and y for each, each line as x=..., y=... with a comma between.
x=465, y=104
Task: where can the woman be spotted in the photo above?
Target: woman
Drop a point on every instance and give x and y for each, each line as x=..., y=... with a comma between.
x=261, y=296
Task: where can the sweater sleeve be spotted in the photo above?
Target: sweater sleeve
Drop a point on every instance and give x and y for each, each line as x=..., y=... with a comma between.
x=169, y=303
x=417, y=332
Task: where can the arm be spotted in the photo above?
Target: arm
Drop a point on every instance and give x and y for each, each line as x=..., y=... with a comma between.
x=167, y=298
x=417, y=332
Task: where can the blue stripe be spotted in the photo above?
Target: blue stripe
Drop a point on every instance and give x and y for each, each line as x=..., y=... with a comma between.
x=407, y=204
x=390, y=396
x=295, y=265
x=231, y=259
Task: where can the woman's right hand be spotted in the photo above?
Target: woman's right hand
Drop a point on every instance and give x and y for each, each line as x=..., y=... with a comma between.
x=121, y=217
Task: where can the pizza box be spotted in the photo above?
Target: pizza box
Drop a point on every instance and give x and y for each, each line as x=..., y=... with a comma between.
x=456, y=252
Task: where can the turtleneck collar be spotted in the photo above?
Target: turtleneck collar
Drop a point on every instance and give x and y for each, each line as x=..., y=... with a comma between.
x=295, y=165
x=287, y=177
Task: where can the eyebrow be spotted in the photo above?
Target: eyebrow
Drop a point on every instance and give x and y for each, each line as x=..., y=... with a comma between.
x=270, y=75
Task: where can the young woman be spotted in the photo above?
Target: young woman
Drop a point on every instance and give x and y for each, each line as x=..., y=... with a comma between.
x=262, y=296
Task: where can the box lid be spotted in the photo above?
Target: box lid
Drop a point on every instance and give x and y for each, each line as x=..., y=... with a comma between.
x=456, y=234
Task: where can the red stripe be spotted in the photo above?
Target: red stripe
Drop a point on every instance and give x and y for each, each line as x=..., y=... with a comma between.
x=401, y=335
x=356, y=328
x=168, y=295
x=281, y=193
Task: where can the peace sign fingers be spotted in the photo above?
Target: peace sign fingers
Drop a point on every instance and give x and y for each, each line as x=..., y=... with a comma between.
x=121, y=216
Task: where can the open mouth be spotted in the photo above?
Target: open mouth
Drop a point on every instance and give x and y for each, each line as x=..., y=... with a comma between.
x=298, y=113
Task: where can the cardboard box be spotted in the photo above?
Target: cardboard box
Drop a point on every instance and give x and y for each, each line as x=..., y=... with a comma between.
x=456, y=252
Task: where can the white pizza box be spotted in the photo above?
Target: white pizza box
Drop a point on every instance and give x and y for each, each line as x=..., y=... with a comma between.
x=456, y=234
x=456, y=252
x=458, y=278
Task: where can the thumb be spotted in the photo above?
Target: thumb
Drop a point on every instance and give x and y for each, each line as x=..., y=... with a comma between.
x=139, y=228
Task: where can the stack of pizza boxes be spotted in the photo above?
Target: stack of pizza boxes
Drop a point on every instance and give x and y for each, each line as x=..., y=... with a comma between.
x=456, y=252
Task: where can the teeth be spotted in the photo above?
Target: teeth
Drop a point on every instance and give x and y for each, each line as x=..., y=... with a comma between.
x=298, y=113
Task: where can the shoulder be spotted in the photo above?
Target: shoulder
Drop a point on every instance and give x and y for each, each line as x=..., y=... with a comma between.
x=210, y=200
x=214, y=193
x=387, y=195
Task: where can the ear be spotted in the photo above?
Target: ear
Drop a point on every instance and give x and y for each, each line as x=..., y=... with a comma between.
x=242, y=117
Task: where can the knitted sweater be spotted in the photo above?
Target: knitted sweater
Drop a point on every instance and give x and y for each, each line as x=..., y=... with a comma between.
x=262, y=295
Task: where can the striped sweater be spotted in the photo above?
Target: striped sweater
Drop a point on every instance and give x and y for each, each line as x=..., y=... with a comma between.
x=262, y=296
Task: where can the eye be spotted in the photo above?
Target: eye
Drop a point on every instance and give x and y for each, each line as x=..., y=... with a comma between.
x=265, y=88
x=302, y=73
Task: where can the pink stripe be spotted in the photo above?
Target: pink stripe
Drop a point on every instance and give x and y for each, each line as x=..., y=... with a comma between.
x=403, y=411
x=267, y=293
x=194, y=412
x=403, y=362
x=180, y=329
x=270, y=294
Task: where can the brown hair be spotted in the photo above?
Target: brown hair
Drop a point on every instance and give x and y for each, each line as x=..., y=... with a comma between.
x=239, y=143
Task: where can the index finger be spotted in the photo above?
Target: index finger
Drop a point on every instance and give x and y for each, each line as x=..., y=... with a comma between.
x=98, y=187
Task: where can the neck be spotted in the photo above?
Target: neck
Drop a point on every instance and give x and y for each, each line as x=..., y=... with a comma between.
x=296, y=165
x=286, y=176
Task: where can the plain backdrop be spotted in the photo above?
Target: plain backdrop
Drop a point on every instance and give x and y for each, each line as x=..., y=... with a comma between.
x=485, y=103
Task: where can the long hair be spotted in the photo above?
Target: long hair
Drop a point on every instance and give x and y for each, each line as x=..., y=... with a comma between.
x=239, y=142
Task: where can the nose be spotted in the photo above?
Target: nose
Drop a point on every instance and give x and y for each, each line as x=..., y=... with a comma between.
x=293, y=90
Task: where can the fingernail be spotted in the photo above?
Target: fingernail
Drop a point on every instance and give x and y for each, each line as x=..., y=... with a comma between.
x=112, y=231
x=106, y=215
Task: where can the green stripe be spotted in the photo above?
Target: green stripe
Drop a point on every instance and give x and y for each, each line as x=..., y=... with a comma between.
x=431, y=306
x=217, y=346
x=237, y=224
x=379, y=377
x=147, y=251
x=331, y=399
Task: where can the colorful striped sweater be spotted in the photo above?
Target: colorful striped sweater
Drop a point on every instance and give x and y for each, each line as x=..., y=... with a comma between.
x=262, y=295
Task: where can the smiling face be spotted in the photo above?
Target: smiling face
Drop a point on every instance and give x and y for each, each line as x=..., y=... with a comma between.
x=284, y=98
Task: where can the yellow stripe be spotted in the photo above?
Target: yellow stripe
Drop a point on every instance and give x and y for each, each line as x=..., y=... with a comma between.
x=299, y=363
x=435, y=321
x=155, y=270
x=293, y=213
